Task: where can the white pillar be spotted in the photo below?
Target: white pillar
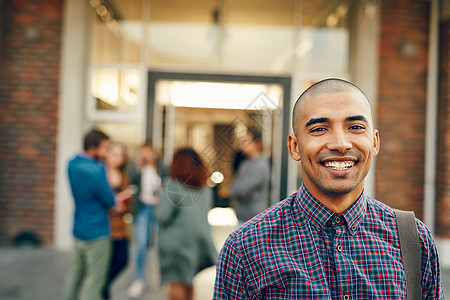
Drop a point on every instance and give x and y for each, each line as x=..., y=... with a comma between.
x=71, y=113
x=364, y=64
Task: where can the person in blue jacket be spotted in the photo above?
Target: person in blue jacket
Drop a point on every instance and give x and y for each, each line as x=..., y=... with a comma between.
x=93, y=198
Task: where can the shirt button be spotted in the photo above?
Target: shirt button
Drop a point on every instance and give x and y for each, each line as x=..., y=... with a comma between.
x=318, y=228
x=339, y=248
x=353, y=227
x=346, y=297
x=337, y=220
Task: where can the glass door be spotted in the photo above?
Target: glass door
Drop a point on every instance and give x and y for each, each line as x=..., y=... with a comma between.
x=211, y=115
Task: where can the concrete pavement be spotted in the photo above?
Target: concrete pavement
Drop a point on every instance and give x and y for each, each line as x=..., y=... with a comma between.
x=38, y=274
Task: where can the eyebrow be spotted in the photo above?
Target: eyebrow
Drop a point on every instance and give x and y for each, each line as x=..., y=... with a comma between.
x=325, y=120
x=316, y=120
x=357, y=118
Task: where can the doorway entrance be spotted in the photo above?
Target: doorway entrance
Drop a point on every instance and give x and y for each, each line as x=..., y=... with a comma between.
x=211, y=112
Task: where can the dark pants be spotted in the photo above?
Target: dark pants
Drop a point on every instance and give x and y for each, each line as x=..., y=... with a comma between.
x=119, y=260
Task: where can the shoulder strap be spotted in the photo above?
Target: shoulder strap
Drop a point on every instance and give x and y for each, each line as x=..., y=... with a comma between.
x=411, y=253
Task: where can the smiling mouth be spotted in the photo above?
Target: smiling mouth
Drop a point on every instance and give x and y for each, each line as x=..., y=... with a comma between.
x=339, y=165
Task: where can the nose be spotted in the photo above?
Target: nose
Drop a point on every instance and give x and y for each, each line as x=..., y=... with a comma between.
x=339, y=141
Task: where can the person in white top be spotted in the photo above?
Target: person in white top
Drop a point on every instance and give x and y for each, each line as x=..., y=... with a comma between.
x=143, y=174
x=150, y=185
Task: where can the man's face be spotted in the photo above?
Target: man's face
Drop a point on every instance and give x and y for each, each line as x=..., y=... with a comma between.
x=101, y=151
x=247, y=144
x=147, y=156
x=335, y=142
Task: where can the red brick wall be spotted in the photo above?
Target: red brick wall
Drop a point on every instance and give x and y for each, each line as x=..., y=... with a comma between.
x=29, y=77
x=401, y=105
x=443, y=167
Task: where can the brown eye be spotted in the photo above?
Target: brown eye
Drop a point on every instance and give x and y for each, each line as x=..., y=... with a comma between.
x=319, y=129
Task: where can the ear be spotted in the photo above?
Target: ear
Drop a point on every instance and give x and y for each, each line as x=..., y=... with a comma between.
x=292, y=144
x=91, y=150
x=376, y=142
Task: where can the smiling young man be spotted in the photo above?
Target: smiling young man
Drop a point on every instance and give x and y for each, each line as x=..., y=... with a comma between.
x=329, y=240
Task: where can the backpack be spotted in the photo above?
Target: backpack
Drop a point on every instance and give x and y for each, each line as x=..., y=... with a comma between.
x=411, y=253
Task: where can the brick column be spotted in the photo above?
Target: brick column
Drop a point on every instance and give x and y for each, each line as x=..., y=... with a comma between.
x=443, y=167
x=29, y=80
x=401, y=107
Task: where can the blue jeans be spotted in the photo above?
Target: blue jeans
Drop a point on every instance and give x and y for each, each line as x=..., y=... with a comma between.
x=142, y=233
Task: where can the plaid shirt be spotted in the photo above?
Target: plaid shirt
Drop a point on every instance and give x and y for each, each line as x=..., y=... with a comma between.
x=299, y=249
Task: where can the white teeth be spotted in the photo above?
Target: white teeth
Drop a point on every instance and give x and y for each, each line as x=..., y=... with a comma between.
x=340, y=166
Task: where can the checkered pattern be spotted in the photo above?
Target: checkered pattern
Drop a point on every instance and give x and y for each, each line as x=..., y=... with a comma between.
x=299, y=249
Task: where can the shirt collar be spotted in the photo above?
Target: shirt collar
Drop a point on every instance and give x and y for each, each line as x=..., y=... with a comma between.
x=87, y=156
x=319, y=214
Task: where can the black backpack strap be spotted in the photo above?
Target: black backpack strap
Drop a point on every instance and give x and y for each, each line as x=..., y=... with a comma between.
x=411, y=253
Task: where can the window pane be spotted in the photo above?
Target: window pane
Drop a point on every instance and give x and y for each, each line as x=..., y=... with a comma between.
x=182, y=32
x=258, y=34
x=251, y=35
x=115, y=90
x=116, y=31
x=324, y=37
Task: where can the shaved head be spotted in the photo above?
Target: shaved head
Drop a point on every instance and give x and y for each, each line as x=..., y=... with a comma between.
x=326, y=86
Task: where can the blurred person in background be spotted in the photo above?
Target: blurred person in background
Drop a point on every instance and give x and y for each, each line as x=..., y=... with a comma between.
x=93, y=198
x=116, y=163
x=143, y=174
x=239, y=157
x=185, y=243
x=250, y=187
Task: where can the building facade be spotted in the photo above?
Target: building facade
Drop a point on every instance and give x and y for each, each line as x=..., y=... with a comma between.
x=58, y=56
